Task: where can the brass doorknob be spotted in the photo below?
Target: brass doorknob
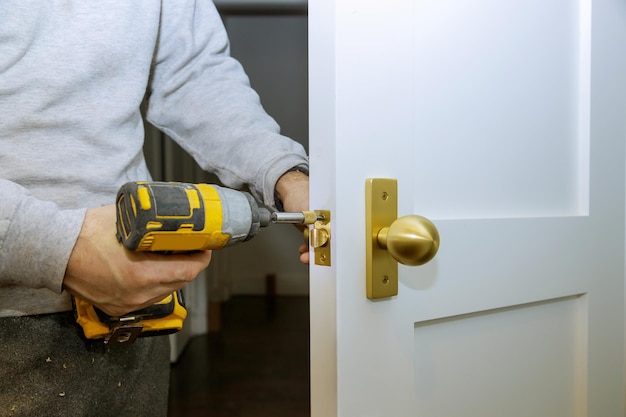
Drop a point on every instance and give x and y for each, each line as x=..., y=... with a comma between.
x=411, y=240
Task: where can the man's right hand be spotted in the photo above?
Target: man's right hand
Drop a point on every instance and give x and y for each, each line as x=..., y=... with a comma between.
x=104, y=273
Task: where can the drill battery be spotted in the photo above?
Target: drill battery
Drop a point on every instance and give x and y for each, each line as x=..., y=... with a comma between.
x=162, y=318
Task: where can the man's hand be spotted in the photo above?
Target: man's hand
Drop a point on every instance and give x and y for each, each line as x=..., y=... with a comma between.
x=109, y=276
x=293, y=191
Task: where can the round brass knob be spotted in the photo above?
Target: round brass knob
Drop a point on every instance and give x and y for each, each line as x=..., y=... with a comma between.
x=412, y=240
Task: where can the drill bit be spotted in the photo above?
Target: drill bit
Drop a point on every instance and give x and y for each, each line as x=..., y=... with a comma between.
x=302, y=217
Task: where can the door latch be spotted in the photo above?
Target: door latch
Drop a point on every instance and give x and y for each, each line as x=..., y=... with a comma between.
x=318, y=236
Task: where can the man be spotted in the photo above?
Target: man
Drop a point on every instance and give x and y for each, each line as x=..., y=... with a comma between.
x=76, y=78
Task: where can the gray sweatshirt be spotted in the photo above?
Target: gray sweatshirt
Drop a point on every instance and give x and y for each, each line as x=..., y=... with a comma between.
x=73, y=77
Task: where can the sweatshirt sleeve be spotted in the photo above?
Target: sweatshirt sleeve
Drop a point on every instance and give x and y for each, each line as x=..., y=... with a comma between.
x=36, y=239
x=201, y=98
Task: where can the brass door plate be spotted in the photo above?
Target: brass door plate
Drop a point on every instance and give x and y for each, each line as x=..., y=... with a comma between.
x=320, y=238
x=381, y=209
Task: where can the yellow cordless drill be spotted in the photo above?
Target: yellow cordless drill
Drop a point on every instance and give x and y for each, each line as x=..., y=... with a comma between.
x=175, y=217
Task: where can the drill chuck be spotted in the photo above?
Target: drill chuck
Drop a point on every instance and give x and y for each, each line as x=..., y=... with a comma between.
x=242, y=216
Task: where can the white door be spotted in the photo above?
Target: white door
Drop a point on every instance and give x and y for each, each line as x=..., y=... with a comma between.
x=504, y=123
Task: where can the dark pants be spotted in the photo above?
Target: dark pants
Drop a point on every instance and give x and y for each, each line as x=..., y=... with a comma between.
x=47, y=368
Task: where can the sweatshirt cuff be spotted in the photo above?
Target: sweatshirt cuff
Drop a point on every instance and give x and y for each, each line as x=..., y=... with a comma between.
x=38, y=243
x=273, y=174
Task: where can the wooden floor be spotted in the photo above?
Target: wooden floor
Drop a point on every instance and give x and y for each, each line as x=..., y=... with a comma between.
x=256, y=366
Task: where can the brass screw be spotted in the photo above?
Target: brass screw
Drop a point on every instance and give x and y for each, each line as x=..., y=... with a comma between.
x=385, y=280
x=385, y=196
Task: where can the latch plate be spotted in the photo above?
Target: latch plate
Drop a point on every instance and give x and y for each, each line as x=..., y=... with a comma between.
x=319, y=238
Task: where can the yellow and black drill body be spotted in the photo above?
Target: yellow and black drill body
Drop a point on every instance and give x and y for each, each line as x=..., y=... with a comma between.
x=173, y=217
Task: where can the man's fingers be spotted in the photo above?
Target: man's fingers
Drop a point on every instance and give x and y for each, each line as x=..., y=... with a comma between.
x=304, y=254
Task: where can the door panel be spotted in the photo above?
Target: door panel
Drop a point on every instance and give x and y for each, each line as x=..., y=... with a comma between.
x=503, y=123
x=468, y=354
x=510, y=79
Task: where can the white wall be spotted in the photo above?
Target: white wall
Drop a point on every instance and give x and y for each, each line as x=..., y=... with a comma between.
x=273, y=50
